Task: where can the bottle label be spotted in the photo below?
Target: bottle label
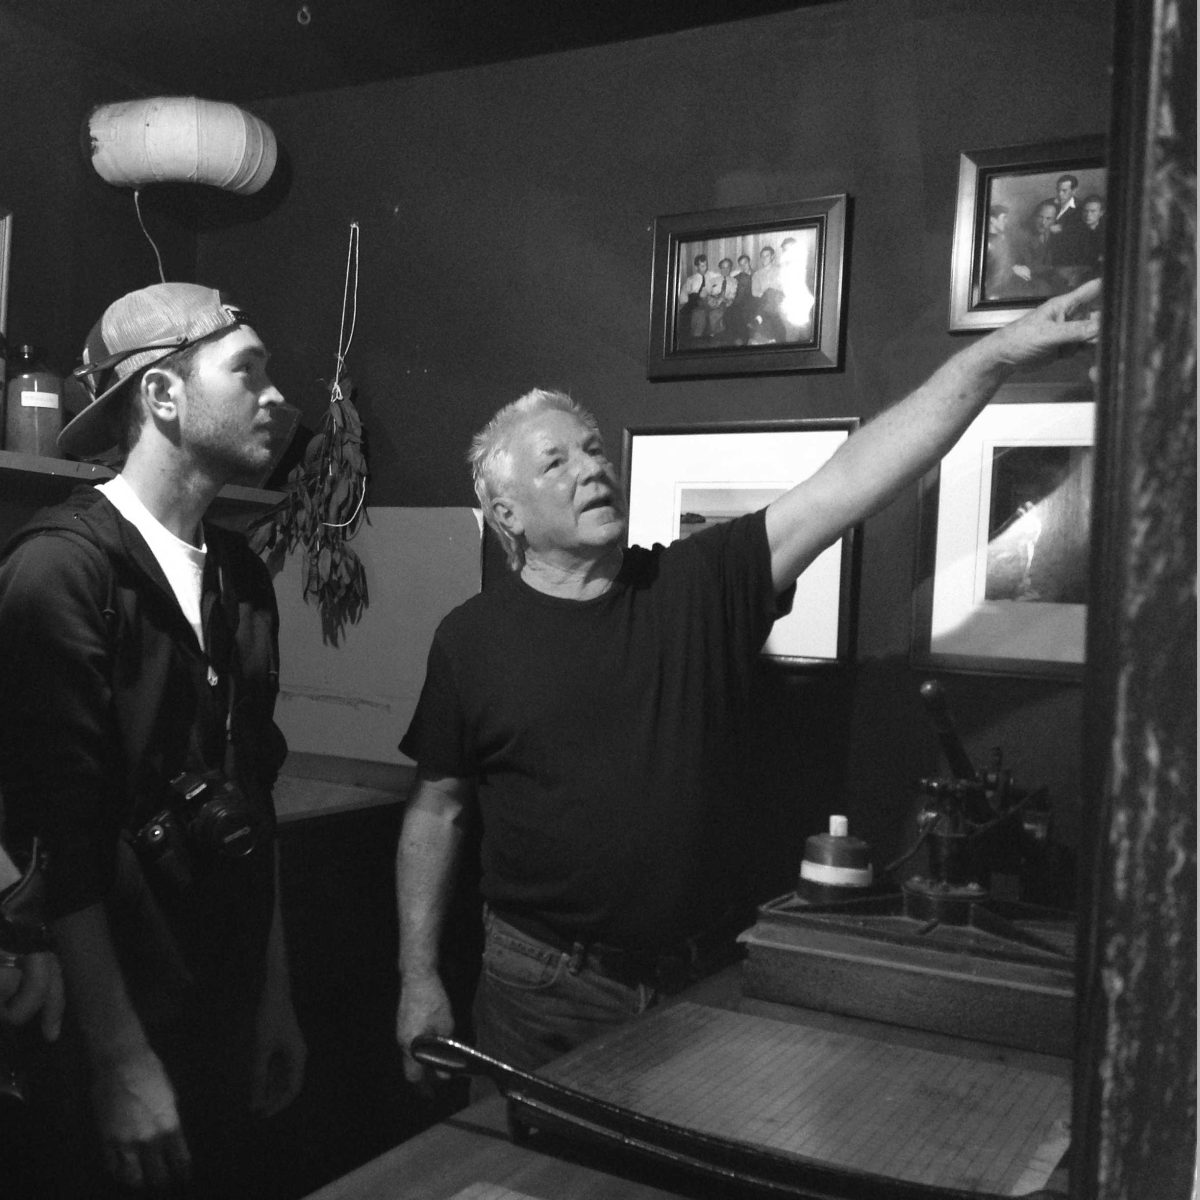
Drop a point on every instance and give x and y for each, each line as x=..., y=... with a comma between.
x=36, y=399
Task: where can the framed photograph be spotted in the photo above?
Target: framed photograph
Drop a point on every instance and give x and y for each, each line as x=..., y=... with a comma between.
x=745, y=290
x=1005, y=527
x=1031, y=223
x=6, y=220
x=681, y=479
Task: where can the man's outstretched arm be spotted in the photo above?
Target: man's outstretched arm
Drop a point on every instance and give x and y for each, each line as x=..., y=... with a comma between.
x=903, y=442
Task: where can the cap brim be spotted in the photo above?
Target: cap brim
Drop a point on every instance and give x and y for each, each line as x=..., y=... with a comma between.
x=97, y=429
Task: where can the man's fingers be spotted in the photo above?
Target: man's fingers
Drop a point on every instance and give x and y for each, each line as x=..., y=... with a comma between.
x=124, y=1164
x=413, y=1071
x=1084, y=295
x=35, y=978
x=177, y=1156
x=155, y=1171
x=154, y=1165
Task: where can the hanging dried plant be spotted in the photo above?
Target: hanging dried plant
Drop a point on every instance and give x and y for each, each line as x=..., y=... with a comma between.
x=324, y=501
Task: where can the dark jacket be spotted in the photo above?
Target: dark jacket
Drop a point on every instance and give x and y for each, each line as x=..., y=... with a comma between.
x=106, y=698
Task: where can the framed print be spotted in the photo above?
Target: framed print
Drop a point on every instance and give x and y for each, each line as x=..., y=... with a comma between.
x=1005, y=526
x=1031, y=222
x=682, y=479
x=5, y=257
x=745, y=290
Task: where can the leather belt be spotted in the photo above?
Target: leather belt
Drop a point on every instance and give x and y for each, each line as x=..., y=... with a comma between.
x=667, y=972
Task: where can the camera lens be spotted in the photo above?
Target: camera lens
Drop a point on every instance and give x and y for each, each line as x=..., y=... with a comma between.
x=226, y=827
x=154, y=835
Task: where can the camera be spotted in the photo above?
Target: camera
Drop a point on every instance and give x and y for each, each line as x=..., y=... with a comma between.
x=207, y=816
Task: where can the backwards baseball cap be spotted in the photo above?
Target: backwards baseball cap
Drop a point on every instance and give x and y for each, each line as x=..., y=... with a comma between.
x=137, y=331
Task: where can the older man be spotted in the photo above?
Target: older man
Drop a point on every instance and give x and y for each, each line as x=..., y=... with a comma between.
x=137, y=746
x=590, y=709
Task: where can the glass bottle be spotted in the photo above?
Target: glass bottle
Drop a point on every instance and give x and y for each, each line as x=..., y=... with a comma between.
x=32, y=405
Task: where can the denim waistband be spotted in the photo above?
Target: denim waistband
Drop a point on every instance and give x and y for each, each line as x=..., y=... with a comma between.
x=666, y=972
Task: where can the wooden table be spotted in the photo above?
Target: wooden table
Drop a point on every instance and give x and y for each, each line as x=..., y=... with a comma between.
x=472, y=1157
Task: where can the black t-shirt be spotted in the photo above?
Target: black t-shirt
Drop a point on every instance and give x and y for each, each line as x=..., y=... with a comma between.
x=604, y=736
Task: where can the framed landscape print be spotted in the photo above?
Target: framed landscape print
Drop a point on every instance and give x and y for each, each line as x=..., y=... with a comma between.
x=1006, y=521
x=682, y=479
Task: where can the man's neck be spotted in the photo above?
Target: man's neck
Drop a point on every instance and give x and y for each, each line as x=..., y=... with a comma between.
x=175, y=493
x=573, y=578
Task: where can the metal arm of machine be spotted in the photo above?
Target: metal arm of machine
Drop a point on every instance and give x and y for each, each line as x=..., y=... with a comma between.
x=933, y=695
x=743, y=1170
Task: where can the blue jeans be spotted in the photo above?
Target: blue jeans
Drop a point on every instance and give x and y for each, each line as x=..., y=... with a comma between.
x=534, y=1002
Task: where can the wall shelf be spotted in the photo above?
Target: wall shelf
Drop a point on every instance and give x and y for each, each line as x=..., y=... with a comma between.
x=38, y=473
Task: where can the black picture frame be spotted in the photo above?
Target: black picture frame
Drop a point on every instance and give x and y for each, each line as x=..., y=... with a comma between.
x=998, y=272
x=723, y=335
x=1004, y=523
x=719, y=470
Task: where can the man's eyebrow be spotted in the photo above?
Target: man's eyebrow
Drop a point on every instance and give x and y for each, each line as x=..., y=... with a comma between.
x=261, y=353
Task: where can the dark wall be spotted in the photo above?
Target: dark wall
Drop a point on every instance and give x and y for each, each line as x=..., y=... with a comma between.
x=506, y=220
x=77, y=244
x=506, y=217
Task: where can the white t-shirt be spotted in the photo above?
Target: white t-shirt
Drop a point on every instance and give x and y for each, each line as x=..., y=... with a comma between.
x=181, y=562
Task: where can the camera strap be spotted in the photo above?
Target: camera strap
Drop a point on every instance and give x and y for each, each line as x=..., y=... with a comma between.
x=229, y=608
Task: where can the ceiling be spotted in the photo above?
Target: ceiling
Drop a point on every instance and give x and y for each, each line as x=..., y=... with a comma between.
x=243, y=50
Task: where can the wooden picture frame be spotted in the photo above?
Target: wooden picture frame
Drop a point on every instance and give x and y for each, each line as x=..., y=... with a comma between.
x=1003, y=542
x=777, y=309
x=681, y=478
x=6, y=222
x=1009, y=251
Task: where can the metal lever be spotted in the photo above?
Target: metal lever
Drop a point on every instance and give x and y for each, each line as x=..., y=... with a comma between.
x=741, y=1169
x=934, y=697
x=445, y=1054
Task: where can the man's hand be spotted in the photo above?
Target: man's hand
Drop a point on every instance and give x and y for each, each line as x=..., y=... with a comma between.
x=424, y=1009
x=1062, y=321
x=31, y=986
x=134, y=1103
x=280, y=1054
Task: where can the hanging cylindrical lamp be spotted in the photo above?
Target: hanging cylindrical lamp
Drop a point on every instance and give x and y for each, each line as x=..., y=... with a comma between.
x=181, y=139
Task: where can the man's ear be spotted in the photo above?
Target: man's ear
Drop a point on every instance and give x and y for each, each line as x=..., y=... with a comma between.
x=160, y=390
x=506, y=516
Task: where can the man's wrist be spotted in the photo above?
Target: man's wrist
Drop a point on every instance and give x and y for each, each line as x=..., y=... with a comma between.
x=120, y=1054
x=419, y=974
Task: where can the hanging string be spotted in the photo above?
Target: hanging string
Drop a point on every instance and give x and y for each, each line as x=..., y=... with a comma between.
x=349, y=301
x=137, y=207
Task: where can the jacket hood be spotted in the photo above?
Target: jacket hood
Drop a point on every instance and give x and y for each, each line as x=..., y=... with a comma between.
x=87, y=513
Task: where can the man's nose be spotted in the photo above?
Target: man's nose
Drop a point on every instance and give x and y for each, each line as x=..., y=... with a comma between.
x=589, y=466
x=271, y=395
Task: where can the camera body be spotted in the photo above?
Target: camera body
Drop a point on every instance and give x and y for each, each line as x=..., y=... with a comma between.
x=206, y=817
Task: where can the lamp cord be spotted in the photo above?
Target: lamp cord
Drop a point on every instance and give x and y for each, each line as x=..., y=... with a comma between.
x=137, y=207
